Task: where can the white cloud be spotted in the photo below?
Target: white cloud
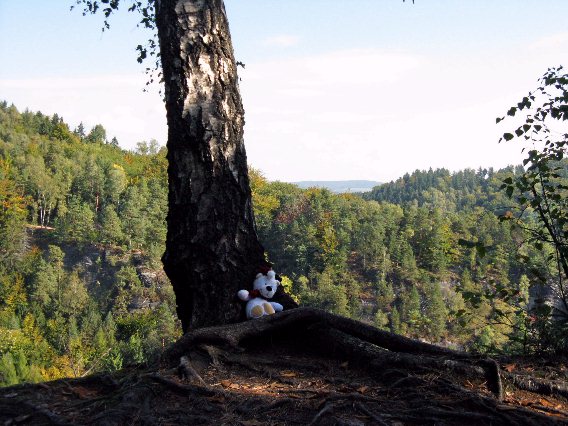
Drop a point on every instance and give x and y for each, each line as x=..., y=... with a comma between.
x=359, y=113
x=555, y=41
x=283, y=40
x=115, y=101
x=372, y=114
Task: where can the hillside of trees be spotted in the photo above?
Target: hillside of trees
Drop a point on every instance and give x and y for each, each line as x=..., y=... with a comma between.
x=425, y=256
x=82, y=229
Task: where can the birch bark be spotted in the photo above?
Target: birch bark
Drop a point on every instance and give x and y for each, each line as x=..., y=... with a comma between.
x=212, y=248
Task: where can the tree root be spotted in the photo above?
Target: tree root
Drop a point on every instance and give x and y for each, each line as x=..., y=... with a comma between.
x=53, y=418
x=376, y=418
x=327, y=408
x=186, y=370
x=307, y=367
x=402, y=364
x=233, y=334
x=540, y=386
x=403, y=351
x=550, y=410
x=378, y=360
x=183, y=389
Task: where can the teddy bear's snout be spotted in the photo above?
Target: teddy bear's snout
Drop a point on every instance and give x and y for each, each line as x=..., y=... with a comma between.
x=268, y=288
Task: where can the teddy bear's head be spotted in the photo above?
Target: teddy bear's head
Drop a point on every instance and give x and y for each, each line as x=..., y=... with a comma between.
x=266, y=284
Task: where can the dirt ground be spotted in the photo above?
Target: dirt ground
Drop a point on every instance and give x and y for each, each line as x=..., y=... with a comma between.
x=277, y=386
x=329, y=371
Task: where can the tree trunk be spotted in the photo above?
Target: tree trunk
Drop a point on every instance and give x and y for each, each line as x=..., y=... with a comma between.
x=212, y=249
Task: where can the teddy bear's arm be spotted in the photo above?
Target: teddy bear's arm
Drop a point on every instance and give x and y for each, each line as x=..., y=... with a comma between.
x=243, y=295
x=277, y=306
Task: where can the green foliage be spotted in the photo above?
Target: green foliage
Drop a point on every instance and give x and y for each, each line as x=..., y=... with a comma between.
x=76, y=226
x=85, y=300
x=65, y=198
x=425, y=256
x=8, y=373
x=540, y=192
x=322, y=292
x=97, y=134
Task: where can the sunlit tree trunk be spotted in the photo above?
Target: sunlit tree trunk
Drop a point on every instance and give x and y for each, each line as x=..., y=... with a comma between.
x=212, y=249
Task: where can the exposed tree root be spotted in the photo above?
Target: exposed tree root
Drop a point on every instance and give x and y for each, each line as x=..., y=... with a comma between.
x=400, y=363
x=183, y=389
x=186, y=370
x=541, y=386
x=327, y=408
x=378, y=360
x=233, y=334
x=305, y=368
x=378, y=419
x=354, y=339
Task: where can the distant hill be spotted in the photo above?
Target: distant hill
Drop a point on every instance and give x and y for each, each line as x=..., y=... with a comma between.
x=339, y=186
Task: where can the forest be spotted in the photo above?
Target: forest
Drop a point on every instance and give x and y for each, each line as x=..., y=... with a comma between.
x=83, y=225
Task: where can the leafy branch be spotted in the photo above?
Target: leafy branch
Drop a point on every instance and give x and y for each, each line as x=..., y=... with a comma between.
x=542, y=189
x=147, y=12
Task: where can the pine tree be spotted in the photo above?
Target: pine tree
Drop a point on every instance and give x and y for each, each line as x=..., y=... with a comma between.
x=411, y=312
x=80, y=131
x=436, y=312
x=111, y=227
x=395, y=323
x=8, y=373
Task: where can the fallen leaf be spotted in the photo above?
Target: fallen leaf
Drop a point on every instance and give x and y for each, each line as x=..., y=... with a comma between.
x=545, y=402
x=509, y=367
x=363, y=389
x=226, y=383
x=82, y=393
x=288, y=374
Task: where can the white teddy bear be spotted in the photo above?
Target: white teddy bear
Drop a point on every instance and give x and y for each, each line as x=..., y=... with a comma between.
x=264, y=288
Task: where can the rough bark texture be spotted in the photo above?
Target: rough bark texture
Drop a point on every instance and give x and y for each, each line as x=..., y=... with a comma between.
x=212, y=249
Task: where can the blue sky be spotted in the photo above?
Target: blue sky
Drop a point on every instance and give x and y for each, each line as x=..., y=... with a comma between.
x=358, y=89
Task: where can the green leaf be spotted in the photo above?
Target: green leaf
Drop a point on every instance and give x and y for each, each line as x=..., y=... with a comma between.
x=508, y=136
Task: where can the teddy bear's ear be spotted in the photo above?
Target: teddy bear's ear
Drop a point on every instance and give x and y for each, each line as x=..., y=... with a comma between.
x=271, y=274
x=259, y=275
